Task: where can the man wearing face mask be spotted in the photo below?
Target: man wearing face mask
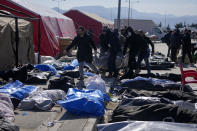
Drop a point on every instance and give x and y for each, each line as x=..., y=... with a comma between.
x=135, y=43
x=84, y=45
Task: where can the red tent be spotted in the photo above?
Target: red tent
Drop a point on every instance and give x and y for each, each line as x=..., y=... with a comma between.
x=89, y=21
x=53, y=24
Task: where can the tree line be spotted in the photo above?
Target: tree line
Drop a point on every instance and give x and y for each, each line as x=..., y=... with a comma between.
x=181, y=25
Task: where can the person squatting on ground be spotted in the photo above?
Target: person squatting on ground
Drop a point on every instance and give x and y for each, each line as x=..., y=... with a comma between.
x=84, y=45
x=145, y=52
x=186, y=46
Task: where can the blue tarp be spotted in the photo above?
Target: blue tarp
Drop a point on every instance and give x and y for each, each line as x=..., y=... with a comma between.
x=17, y=90
x=84, y=102
x=89, y=74
x=72, y=65
x=44, y=67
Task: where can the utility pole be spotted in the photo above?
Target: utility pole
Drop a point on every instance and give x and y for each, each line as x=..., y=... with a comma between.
x=58, y=4
x=165, y=18
x=129, y=12
x=119, y=11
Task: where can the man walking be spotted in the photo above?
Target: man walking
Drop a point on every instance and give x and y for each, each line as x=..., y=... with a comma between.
x=84, y=44
x=186, y=47
x=175, y=42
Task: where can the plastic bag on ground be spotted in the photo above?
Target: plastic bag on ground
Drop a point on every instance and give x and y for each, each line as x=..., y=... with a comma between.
x=102, y=61
x=139, y=101
x=43, y=58
x=89, y=74
x=18, y=90
x=153, y=84
x=84, y=102
x=73, y=73
x=37, y=77
x=7, y=125
x=96, y=83
x=62, y=83
x=44, y=67
x=146, y=126
x=55, y=63
x=72, y=65
x=43, y=100
x=186, y=105
x=6, y=107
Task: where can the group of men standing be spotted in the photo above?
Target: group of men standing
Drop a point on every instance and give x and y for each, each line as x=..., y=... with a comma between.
x=175, y=39
x=136, y=44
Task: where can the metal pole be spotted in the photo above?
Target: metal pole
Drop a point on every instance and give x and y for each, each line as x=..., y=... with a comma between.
x=165, y=18
x=39, y=36
x=129, y=12
x=119, y=11
x=58, y=5
x=16, y=40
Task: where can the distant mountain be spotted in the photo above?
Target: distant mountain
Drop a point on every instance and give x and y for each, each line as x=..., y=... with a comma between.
x=59, y=10
x=111, y=14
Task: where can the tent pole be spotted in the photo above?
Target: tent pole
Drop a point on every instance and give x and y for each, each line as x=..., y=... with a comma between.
x=16, y=40
x=39, y=36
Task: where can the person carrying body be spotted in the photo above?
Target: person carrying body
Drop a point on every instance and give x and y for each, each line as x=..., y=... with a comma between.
x=103, y=41
x=114, y=49
x=145, y=53
x=134, y=42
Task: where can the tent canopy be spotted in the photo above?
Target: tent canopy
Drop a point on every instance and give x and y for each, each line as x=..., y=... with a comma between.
x=89, y=21
x=98, y=18
x=8, y=43
x=53, y=24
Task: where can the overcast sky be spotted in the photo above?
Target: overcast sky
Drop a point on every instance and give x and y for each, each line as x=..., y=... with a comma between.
x=174, y=7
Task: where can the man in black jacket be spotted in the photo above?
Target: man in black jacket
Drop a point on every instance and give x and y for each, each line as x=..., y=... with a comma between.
x=175, y=43
x=135, y=43
x=103, y=41
x=145, y=52
x=186, y=47
x=166, y=39
x=84, y=44
x=114, y=49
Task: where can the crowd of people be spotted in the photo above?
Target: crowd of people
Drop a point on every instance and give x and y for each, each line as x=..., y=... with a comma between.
x=134, y=43
x=111, y=42
x=177, y=40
